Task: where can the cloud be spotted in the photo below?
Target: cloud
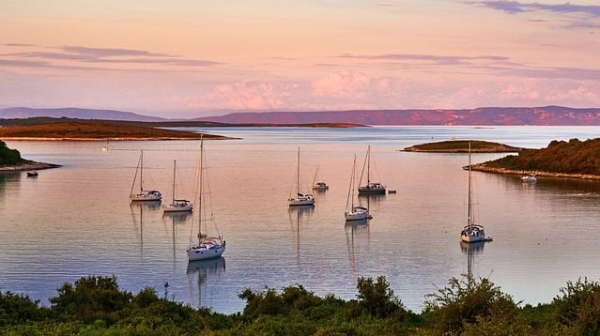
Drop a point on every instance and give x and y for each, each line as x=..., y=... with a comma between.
x=513, y=7
x=80, y=54
x=345, y=84
x=19, y=45
x=431, y=59
x=107, y=52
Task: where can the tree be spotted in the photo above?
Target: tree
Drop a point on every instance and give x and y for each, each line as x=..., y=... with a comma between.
x=470, y=301
x=9, y=156
x=377, y=298
x=92, y=298
x=578, y=309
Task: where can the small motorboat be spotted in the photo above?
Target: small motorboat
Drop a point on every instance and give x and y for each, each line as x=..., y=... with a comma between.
x=529, y=178
x=32, y=173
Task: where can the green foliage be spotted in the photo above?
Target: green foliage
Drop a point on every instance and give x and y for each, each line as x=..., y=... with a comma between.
x=459, y=146
x=467, y=306
x=92, y=298
x=573, y=157
x=377, y=298
x=9, y=156
x=467, y=302
x=16, y=309
x=578, y=309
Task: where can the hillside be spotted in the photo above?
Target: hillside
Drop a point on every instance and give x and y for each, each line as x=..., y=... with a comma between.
x=574, y=158
x=70, y=129
x=484, y=116
x=72, y=112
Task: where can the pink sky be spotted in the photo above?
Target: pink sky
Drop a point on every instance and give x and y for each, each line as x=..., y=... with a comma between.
x=199, y=58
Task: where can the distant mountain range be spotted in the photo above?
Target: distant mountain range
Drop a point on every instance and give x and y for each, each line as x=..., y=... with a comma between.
x=73, y=112
x=485, y=116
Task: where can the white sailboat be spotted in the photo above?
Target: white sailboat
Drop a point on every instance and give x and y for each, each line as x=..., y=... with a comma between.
x=143, y=194
x=370, y=188
x=177, y=205
x=299, y=198
x=208, y=247
x=319, y=185
x=472, y=232
x=354, y=213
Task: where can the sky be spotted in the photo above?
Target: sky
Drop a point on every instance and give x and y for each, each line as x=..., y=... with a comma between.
x=196, y=58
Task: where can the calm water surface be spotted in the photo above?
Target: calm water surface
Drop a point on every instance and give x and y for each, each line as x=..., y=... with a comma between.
x=78, y=221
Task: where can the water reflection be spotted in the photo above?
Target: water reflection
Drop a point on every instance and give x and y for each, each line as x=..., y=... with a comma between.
x=355, y=228
x=137, y=214
x=7, y=178
x=299, y=215
x=175, y=220
x=471, y=250
x=201, y=271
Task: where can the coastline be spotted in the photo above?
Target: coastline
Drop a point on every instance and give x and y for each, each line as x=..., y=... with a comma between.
x=206, y=137
x=483, y=168
x=29, y=165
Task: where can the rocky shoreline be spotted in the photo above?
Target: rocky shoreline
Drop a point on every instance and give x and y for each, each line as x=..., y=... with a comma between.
x=483, y=168
x=29, y=165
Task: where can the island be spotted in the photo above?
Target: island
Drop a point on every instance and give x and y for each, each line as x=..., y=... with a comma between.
x=573, y=158
x=95, y=130
x=11, y=160
x=462, y=146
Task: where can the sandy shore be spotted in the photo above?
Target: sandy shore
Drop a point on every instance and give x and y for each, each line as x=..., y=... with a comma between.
x=29, y=165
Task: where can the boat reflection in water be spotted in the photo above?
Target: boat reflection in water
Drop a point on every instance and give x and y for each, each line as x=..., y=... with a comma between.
x=299, y=215
x=206, y=274
x=471, y=249
x=354, y=228
x=137, y=214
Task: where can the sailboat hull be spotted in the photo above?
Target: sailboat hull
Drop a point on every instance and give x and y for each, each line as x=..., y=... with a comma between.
x=203, y=252
x=371, y=190
x=300, y=201
x=146, y=196
x=472, y=234
x=178, y=207
x=356, y=216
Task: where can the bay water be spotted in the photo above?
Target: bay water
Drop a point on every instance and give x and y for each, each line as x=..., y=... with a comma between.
x=77, y=220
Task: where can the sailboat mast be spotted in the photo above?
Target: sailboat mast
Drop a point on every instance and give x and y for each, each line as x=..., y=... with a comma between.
x=469, y=205
x=174, y=170
x=141, y=171
x=350, y=199
x=200, y=190
x=298, y=174
x=353, y=183
x=369, y=165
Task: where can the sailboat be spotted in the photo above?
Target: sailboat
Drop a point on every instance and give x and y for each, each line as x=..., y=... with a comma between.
x=299, y=198
x=143, y=194
x=355, y=213
x=208, y=247
x=472, y=232
x=178, y=205
x=371, y=188
x=319, y=185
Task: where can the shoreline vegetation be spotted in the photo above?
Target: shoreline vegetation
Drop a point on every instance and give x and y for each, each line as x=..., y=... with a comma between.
x=50, y=129
x=68, y=129
x=462, y=146
x=573, y=159
x=96, y=305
